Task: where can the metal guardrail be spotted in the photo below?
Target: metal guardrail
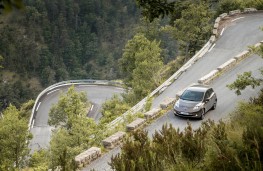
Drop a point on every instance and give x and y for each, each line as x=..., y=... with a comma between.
x=65, y=83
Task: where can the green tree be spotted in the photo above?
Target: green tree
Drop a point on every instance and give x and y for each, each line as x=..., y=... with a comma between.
x=137, y=155
x=39, y=160
x=225, y=6
x=152, y=9
x=167, y=144
x=242, y=81
x=48, y=76
x=113, y=108
x=246, y=79
x=14, y=140
x=249, y=116
x=26, y=109
x=70, y=106
x=61, y=150
x=141, y=63
x=75, y=131
x=65, y=143
x=193, y=29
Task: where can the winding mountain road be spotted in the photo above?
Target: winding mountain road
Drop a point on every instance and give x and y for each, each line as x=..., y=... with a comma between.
x=237, y=36
x=41, y=131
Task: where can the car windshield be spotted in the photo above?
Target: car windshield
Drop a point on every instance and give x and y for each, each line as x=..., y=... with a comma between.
x=192, y=95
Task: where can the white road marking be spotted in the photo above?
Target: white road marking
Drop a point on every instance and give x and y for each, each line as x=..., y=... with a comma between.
x=52, y=91
x=211, y=48
x=33, y=123
x=222, y=31
x=237, y=19
x=38, y=106
x=91, y=108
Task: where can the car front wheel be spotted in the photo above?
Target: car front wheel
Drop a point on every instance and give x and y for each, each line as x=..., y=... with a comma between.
x=202, y=114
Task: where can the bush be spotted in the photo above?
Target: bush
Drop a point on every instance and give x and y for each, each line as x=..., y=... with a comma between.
x=228, y=5
x=258, y=4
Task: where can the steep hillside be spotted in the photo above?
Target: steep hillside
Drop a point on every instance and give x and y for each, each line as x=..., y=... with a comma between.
x=62, y=39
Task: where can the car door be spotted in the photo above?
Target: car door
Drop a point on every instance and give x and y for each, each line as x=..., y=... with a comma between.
x=208, y=99
x=213, y=97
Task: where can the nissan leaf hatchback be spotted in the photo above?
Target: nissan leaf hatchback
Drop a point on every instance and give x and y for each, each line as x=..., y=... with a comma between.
x=195, y=101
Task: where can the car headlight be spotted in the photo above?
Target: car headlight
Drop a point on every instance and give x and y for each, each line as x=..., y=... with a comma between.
x=177, y=104
x=198, y=106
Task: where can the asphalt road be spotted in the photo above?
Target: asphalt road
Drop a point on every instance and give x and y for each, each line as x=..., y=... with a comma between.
x=236, y=38
x=42, y=131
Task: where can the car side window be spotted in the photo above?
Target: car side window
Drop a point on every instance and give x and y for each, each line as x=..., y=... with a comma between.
x=207, y=94
x=211, y=92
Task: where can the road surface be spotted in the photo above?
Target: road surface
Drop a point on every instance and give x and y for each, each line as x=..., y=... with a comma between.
x=236, y=38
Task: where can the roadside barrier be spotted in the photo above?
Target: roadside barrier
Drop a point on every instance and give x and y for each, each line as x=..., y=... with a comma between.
x=68, y=83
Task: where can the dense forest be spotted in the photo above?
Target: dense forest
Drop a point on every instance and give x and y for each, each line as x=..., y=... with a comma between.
x=57, y=40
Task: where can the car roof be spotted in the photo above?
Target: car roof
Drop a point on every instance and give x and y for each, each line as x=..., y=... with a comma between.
x=198, y=87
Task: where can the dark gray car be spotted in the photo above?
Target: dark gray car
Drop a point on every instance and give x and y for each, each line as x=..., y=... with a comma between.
x=195, y=101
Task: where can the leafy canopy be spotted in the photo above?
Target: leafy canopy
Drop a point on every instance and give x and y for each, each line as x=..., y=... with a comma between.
x=14, y=138
x=69, y=107
x=141, y=63
x=75, y=131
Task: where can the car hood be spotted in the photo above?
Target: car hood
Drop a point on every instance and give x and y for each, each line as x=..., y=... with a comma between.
x=186, y=106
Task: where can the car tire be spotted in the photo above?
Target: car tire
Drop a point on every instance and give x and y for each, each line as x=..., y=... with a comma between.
x=214, y=106
x=202, y=114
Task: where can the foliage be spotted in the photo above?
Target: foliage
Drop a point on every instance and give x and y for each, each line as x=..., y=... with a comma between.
x=193, y=29
x=113, y=108
x=26, y=109
x=75, y=130
x=39, y=160
x=9, y=5
x=249, y=116
x=168, y=148
x=136, y=155
x=66, y=144
x=242, y=81
x=170, y=68
x=58, y=40
x=228, y=5
x=17, y=93
x=140, y=63
x=148, y=103
x=152, y=31
x=69, y=107
x=224, y=6
x=152, y=9
x=258, y=4
x=14, y=138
